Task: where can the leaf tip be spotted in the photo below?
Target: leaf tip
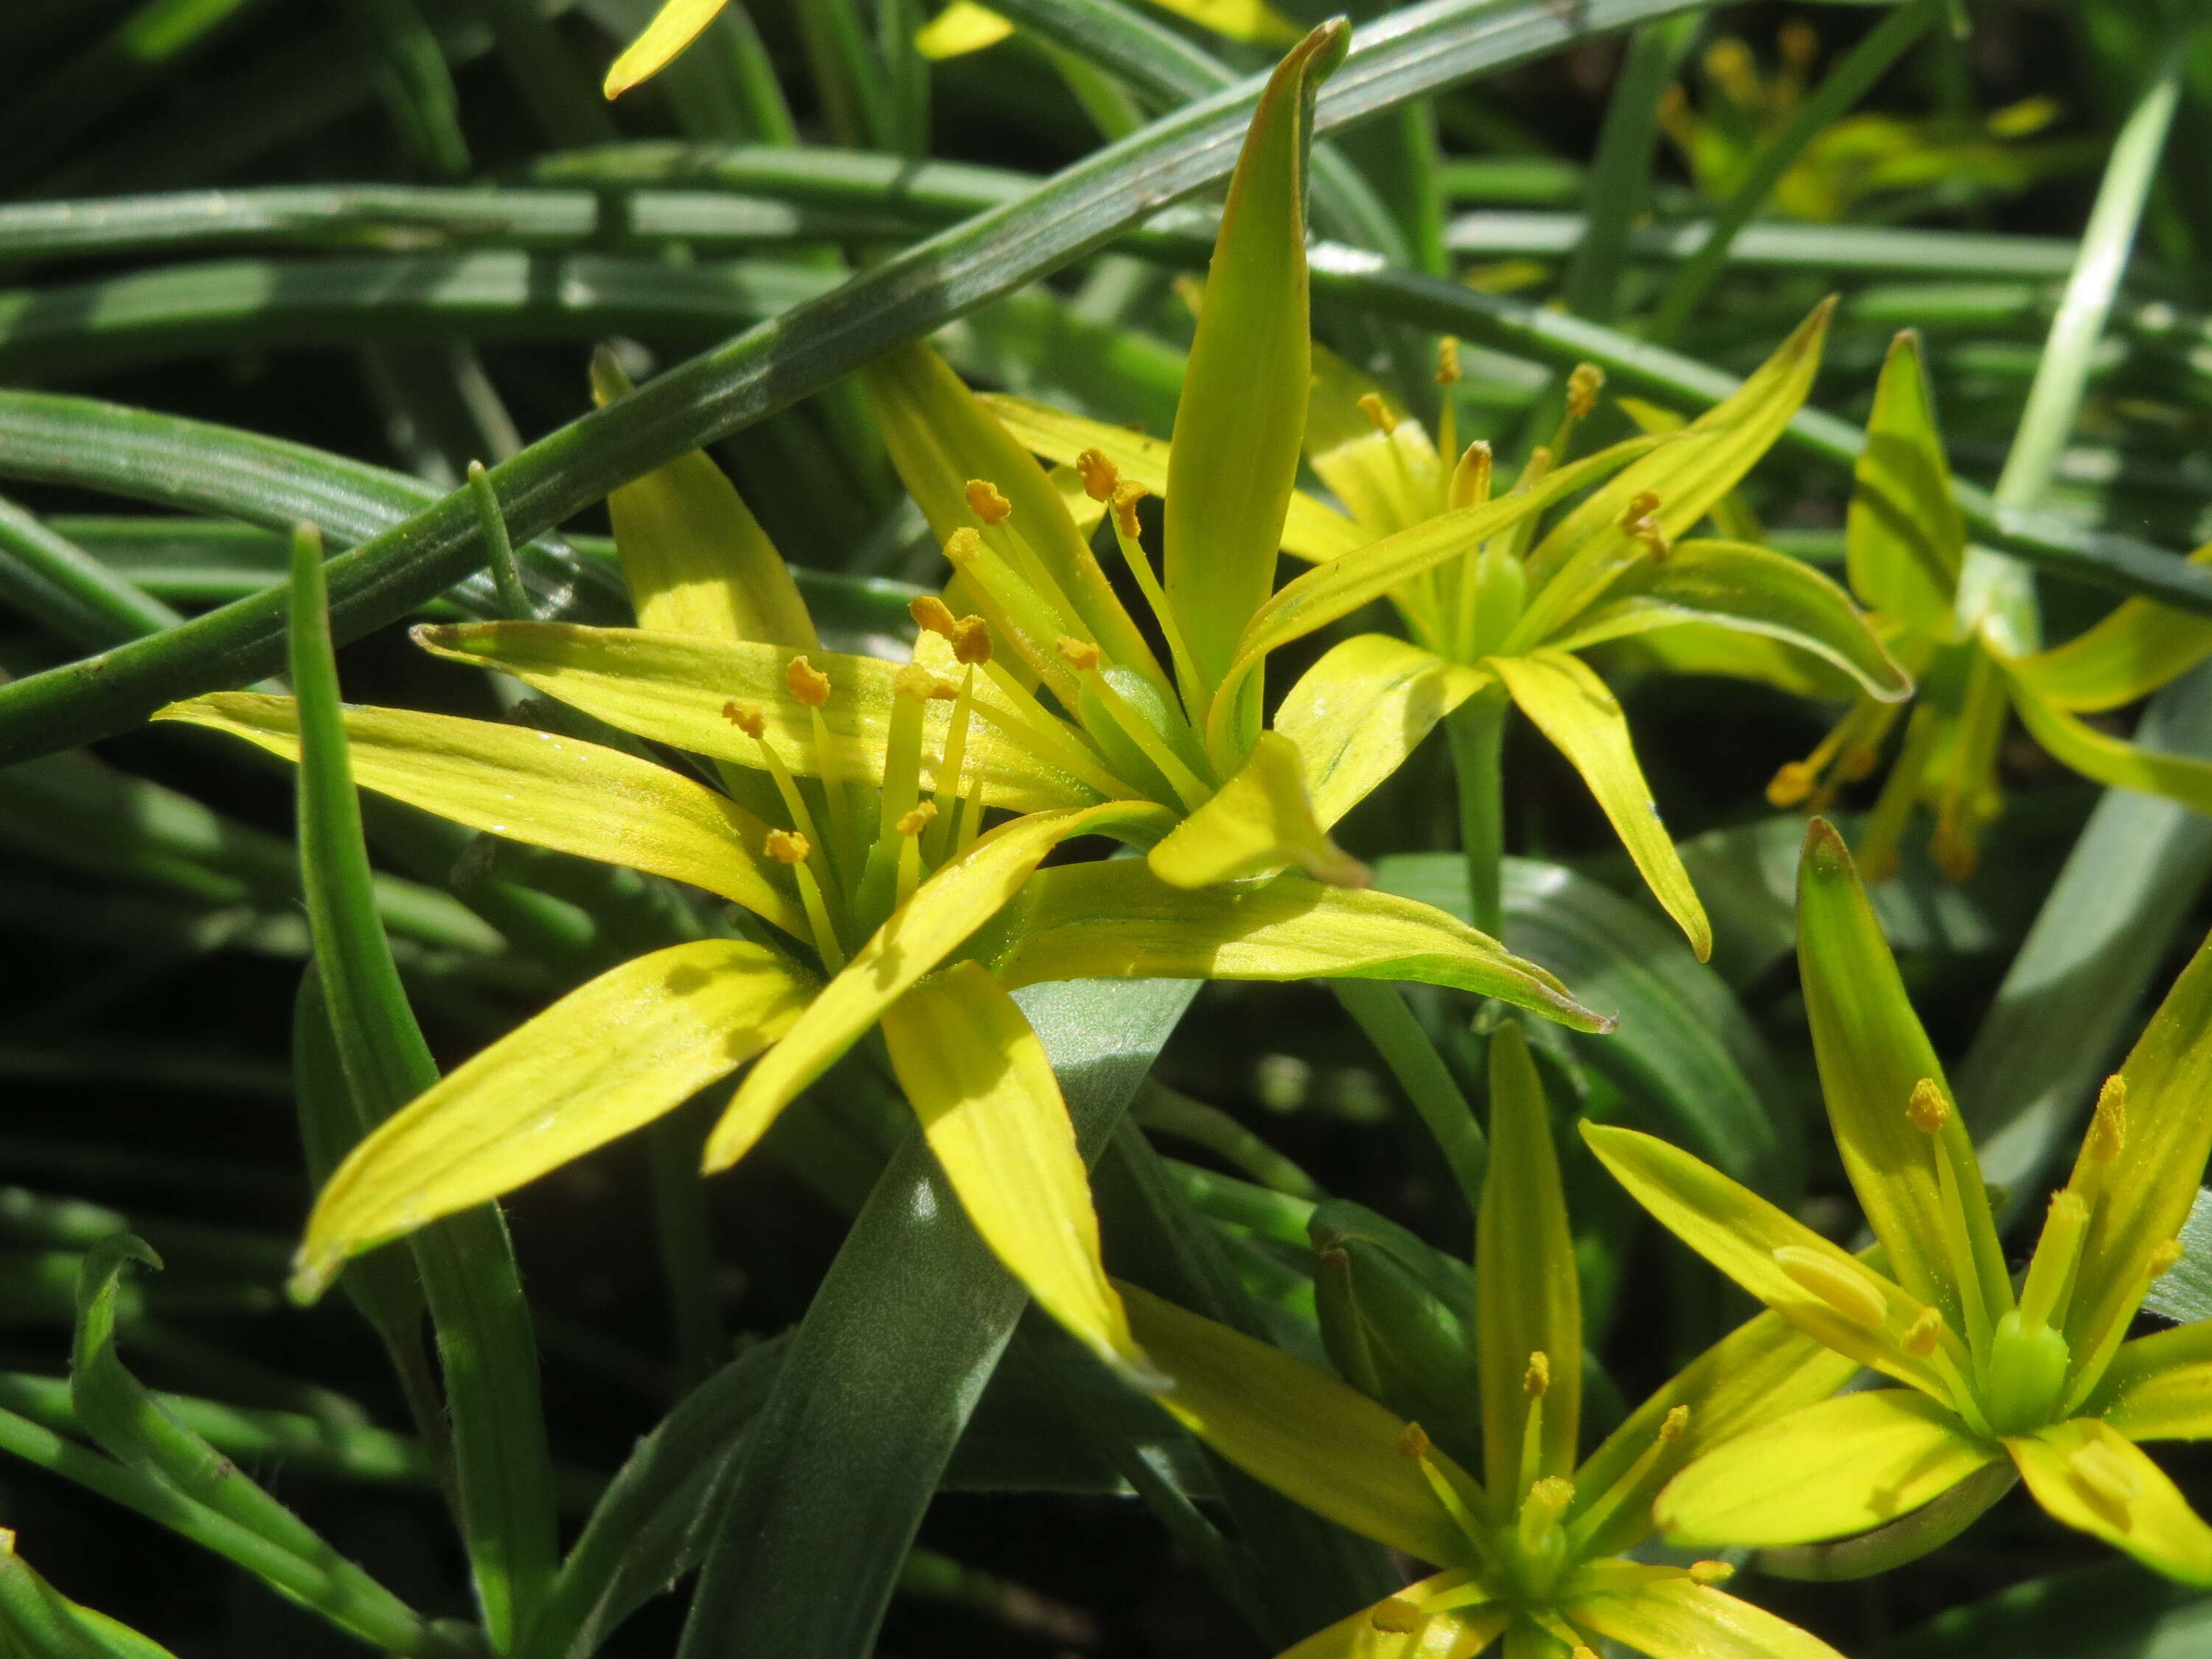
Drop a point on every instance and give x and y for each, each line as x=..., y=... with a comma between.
x=1824, y=857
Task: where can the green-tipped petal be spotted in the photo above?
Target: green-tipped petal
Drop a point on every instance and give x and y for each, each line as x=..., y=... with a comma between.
x=535, y=787
x=1312, y=530
x=2111, y=760
x=1458, y=1632
x=1574, y=708
x=2127, y=655
x=695, y=558
x=1739, y=1232
x=1905, y=540
x=674, y=26
x=1358, y=714
x=1750, y=590
x=1308, y=1436
x=1674, y=1617
x=928, y=927
x=1113, y=919
x=612, y=1054
x=1845, y=1466
x=674, y=689
x=978, y=1080
x=2094, y=1479
x=1259, y=823
x=1241, y=420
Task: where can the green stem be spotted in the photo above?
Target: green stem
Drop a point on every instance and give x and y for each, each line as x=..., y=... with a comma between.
x=687, y=1245
x=1169, y=1111
x=1476, y=730
x=1412, y=1059
x=1845, y=85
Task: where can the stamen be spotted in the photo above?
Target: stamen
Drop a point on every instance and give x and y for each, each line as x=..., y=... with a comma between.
x=1584, y=385
x=2162, y=1261
x=810, y=686
x=2051, y=1270
x=984, y=501
x=1447, y=376
x=749, y=718
x=1081, y=654
x=1413, y=1443
x=1792, y=784
x=1125, y=498
x=787, y=846
x=1922, y=1335
x=1065, y=746
x=1127, y=494
x=1535, y=1383
x=1470, y=479
x=971, y=819
x=1536, y=1380
x=1651, y=1470
x=1083, y=657
x=947, y=801
x=1023, y=616
x=1640, y=520
x=1710, y=1572
x=1099, y=475
x=920, y=819
x=1929, y=1110
x=1848, y=1293
x=1448, y=368
x=910, y=827
x=1927, y=1107
x=912, y=689
x=808, y=683
x=2106, y=1139
x=932, y=615
x=1413, y=1446
x=1547, y=1500
x=746, y=717
x=1396, y=1616
x=1377, y=411
x=971, y=640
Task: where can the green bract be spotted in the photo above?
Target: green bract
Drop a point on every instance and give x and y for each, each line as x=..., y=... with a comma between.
x=2036, y=1378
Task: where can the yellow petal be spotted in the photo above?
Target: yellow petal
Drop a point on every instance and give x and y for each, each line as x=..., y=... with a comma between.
x=1905, y=540
x=1356, y=715
x=1681, y=1619
x=1845, y=1466
x=1738, y=1231
x=1312, y=530
x=1572, y=708
x=1306, y=1435
x=538, y=788
x=1459, y=1633
x=1113, y=919
x=695, y=558
x=2160, y=1385
x=2107, y=759
x=2091, y=1477
x=2127, y=655
x=1259, y=823
x=963, y=26
x=978, y=1080
x=960, y=897
x=1699, y=647
x=614, y=1053
x=1253, y=21
x=673, y=688
x=673, y=27
x=1529, y=1295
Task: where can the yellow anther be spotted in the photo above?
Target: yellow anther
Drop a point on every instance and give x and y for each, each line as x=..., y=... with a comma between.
x=1677, y=1424
x=788, y=847
x=2102, y=1473
x=931, y=614
x=1412, y=1443
x=1080, y=654
x=1100, y=475
x=2162, y=1259
x=1536, y=1380
x=1448, y=370
x=963, y=545
x=971, y=640
x=1127, y=494
x=1728, y=61
x=913, y=823
x=1396, y=1617
x=1641, y=505
x=1549, y=1497
x=2108, y=1129
x=1710, y=1572
x=808, y=683
x=1792, y=782
x=1640, y=520
x=1799, y=42
x=984, y=501
x=1928, y=1109
x=1858, y=761
x=1922, y=1334
x=918, y=685
x=1842, y=1288
x=1583, y=387
x=745, y=716
x=1956, y=855
x=1372, y=406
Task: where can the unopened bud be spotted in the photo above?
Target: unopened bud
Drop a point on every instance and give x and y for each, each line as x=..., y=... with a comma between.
x=1412, y=1443
x=788, y=847
x=1927, y=1107
x=1396, y=1617
x=971, y=640
x=1792, y=782
x=808, y=683
x=1536, y=1380
x=1127, y=494
x=1099, y=475
x=984, y=501
x=913, y=823
x=1372, y=406
x=1710, y=1572
x=931, y=614
x=1842, y=1287
x=1448, y=370
x=1080, y=654
x=745, y=716
x=1583, y=387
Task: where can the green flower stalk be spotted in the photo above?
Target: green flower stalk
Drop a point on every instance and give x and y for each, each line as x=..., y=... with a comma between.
x=1974, y=656
x=2036, y=1380
x=1532, y=1551
x=851, y=835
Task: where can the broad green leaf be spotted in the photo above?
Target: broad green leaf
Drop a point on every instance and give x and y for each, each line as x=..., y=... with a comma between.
x=980, y=1082
x=611, y=1055
x=1358, y=714
x=1573, y=708
x=2099, y=1481
x=1312, y=530
x=1748, y=590
x=1456, y=1633
x=673, y=690
x=2149, y=1187
x=2110, y=760
x=1681, y=1619
x=1905, y=539
x=673, y=27
x=940, y=438
x=535, y=787
x=1113, y=919
x=695, y=559
x=1307, y=1434
x=1242, y=418
x=1873, y=1053
x=2126, y=656
x=1738, y=1231
x=1259, y=823
x=2114, y=1610
x=2160, y=1385
x=1528, y=1296
x=961, y=896
x=1845, y=1466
